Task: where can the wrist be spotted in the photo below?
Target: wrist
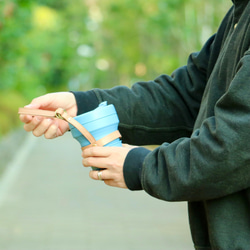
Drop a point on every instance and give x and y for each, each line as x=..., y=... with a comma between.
x=85, y=101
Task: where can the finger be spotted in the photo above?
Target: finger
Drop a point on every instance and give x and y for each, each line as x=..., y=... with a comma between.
x=40, y=102
x=32, y=106
x=94, y=175
x=25, y=118
x=58, y=128
x=28, y=118
x=30, y=126
x=108, y=180
x=98, y=162
x=42, y=127
x=52, y=131
x=96, y=152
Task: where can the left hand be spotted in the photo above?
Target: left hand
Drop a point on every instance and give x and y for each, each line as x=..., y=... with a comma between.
x=111, y=159
x=50, y=128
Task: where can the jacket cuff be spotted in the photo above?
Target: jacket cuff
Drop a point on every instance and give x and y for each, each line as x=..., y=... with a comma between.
x=86, y=101
x=132, y=168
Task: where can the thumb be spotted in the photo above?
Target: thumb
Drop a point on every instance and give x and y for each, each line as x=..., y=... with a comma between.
x=41, y=102
x=32, y=106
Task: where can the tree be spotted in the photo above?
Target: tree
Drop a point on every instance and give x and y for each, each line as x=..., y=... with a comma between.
x=51, y=45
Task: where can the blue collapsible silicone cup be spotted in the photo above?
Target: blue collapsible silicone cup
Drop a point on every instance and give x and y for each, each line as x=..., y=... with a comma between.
x=99, y=122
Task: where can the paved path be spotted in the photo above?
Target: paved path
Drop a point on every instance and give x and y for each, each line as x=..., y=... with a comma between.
x=48, y=202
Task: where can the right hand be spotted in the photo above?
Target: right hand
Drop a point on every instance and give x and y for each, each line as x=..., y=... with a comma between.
x=50, y=128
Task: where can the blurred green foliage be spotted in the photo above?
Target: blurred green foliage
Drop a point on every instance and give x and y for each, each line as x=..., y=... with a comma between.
x=52, y=45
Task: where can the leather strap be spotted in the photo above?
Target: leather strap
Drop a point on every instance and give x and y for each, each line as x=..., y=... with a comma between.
x=36, y=112
x=62, y=114
x=105, y=140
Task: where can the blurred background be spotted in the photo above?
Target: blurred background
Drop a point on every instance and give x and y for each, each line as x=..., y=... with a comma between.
x=52, y=45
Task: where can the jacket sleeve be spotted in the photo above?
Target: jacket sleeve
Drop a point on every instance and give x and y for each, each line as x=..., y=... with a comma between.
x=154, y=112
x=215, y=160
x=164, y=109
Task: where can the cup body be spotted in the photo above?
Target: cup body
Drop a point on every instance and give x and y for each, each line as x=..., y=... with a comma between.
x=99, y=122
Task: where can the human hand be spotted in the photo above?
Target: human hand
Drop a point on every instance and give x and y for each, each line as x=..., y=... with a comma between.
x=111, y=160
x=50, y=128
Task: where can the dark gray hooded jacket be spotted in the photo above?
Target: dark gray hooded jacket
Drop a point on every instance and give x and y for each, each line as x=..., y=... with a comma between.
x=200, y=115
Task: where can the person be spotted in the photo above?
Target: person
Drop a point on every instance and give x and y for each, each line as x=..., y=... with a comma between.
x=200, y=117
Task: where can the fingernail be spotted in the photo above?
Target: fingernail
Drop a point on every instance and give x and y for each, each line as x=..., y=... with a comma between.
x=29, y=106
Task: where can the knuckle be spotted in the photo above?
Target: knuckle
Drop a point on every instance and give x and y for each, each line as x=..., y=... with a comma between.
x=91, y=175
x=52, y=131
x=84, y=162
x=29, y=126
x=87, y=152
x=93, y=150
x=36, y=133
x=113, y=164
x=47, y=122
x=26, y=127
x=87, y=162
x=83, y=154
x=50, y=135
